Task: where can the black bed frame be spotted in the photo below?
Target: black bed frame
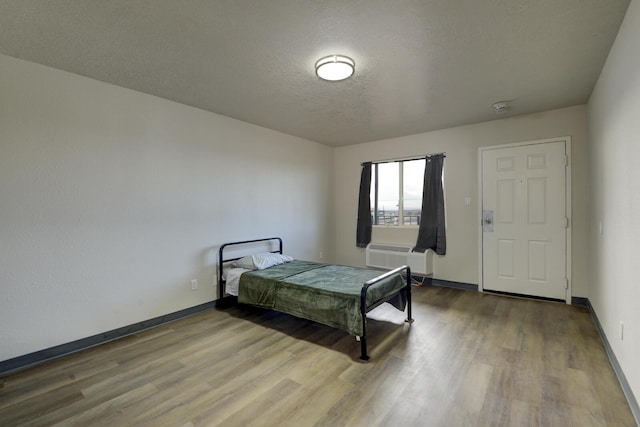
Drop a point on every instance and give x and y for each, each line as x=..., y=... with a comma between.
x=363, y=293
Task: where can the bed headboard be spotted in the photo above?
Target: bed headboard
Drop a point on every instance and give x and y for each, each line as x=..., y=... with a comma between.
x=249, y=244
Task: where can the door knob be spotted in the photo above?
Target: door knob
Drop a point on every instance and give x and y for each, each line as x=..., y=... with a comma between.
x=487, y=221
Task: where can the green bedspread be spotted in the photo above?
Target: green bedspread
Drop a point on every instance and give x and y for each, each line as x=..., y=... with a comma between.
x=327, y=294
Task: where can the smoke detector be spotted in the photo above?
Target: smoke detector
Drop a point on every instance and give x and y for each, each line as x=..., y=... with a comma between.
x=501, y=107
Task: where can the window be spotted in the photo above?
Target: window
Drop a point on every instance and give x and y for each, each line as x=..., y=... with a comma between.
x=396, y=192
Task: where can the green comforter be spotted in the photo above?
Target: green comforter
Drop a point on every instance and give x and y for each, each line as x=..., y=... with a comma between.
x=327, y=294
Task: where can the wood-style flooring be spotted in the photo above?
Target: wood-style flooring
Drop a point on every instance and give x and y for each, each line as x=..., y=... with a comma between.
x=470, y=359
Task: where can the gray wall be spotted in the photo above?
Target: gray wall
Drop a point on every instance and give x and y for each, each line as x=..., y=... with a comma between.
x=112, y=201
x=614, y=118
x=461, y=144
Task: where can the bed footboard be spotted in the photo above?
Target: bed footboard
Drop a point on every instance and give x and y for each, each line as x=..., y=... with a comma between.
x=364, y=357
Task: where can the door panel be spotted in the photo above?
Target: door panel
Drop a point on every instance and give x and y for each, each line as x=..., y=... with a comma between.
x=538, y=260
x=506, y=200
x=525, y=251
x=537, y=200
x=506, y=267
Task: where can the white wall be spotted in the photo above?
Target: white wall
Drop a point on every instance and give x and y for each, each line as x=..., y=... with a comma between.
x=111, y=201
x=461, y=144
x=614, y=118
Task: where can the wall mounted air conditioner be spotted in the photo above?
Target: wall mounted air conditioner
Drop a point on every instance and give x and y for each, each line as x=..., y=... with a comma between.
x=382, y=255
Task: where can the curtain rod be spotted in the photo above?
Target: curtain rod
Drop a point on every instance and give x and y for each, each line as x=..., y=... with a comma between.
x=404, y=159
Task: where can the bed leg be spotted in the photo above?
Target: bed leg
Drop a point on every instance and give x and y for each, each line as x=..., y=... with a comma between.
x=364, y=357
x=409, y=318
x=363, y=349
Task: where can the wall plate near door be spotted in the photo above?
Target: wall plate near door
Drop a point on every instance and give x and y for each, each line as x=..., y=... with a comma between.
x=487, y=221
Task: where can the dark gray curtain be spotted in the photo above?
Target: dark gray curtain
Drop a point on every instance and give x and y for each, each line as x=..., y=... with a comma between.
x=365, y=223
x=431, y=234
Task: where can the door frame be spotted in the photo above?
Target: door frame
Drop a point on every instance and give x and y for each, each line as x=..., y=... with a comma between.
x=567, y=171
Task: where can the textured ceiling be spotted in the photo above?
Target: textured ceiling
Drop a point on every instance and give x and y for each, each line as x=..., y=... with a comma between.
x=420, y=65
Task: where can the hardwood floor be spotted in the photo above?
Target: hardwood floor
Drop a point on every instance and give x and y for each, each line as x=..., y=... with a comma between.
x=469, y=359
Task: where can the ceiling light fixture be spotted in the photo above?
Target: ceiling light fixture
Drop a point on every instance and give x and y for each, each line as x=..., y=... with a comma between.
x=335, y=67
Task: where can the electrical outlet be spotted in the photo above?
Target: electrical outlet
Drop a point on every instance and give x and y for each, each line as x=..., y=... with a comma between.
x=321, y=254
x=621, y=331
x=214, y=282
x=194, y=284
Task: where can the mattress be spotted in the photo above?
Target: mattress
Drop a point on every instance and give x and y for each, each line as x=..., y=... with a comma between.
x=325, y=293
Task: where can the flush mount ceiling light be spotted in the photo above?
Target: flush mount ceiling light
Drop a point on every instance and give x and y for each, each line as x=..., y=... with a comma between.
x=335, y=67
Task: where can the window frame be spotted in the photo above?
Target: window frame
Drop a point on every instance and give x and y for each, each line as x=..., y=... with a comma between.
x=401, y=191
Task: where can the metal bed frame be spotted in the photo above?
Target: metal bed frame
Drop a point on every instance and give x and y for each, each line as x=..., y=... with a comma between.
x=364, y=357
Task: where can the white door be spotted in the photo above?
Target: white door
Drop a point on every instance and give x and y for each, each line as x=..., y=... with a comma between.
x=525, y=219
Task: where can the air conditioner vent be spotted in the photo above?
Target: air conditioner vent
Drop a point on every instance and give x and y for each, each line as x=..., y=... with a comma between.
x=385, y=256
x=389, y=248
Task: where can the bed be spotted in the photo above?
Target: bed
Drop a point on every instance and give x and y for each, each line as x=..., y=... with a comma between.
x=334, y=295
